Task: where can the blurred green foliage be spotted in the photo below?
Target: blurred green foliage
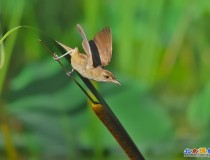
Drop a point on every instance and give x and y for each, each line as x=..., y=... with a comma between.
x=160, y=55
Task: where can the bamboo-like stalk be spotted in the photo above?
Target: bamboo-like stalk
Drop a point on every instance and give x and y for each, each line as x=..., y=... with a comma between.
x=108, y=118
x=116, y=129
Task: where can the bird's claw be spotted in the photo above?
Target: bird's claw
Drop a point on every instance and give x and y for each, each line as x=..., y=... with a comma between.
x=68, y=73
x=55, y=57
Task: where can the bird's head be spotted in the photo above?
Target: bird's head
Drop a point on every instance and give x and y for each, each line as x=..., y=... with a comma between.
x=107, y=76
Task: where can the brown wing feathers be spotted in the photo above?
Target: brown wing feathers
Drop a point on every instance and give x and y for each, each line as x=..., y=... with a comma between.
x=103, y=41
x=85, y=43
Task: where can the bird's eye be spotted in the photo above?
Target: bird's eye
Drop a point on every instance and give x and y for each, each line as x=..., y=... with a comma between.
x=106, y=76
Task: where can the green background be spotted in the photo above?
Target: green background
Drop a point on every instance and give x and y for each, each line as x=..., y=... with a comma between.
x=161, y=55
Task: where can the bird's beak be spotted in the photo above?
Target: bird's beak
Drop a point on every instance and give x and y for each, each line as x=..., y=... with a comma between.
x=117, y=82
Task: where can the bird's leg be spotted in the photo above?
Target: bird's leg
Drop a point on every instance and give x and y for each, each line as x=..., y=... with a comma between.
x=56, y=57
x=68, y=73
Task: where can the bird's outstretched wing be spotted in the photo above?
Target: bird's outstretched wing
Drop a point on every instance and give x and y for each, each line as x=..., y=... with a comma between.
x=103, y=41
x=90, y=49
x=85, y=43
x=100, y=48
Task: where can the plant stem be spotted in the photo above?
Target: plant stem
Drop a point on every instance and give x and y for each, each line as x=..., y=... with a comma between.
x=117, y=130
x=11, y=152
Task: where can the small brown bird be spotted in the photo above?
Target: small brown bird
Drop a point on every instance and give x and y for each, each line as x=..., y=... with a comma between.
x=84, y=63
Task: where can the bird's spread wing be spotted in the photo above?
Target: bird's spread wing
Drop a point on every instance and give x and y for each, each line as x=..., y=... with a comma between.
x=90, y=49
x=103, y=41
x=85, y=43
x=100, y=48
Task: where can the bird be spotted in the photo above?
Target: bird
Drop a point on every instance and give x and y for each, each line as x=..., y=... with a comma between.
x=89, y=65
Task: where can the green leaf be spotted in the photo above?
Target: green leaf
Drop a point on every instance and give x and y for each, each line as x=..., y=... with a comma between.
x=9, y=33
x=146, y=120
x=199, y=110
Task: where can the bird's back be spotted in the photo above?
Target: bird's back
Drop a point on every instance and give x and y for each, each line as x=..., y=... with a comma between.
x=81, y=63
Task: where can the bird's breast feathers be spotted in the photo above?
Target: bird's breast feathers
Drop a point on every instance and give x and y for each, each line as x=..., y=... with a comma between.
x=82, y=63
